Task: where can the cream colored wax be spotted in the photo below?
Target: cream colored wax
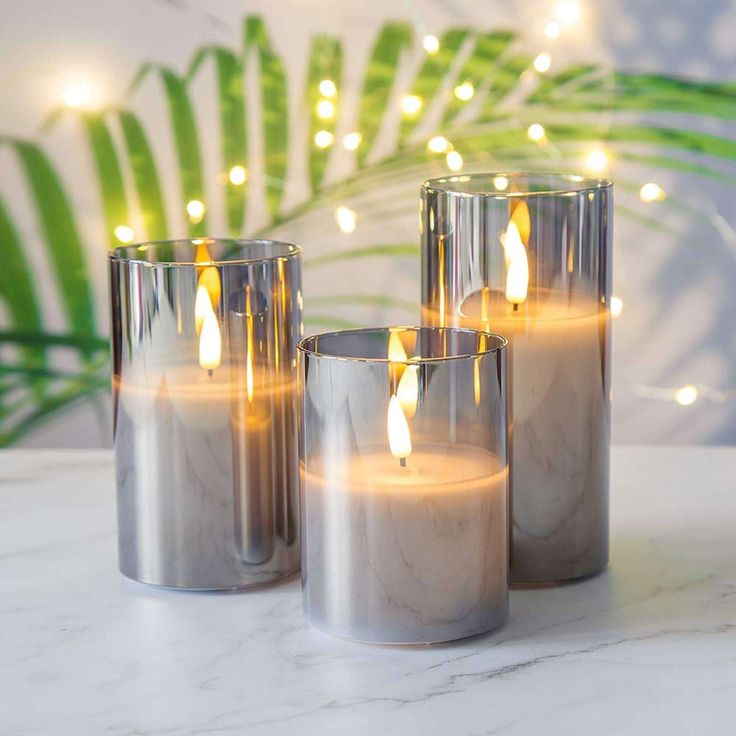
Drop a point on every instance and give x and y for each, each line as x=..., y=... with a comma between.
x=560, y=432
x=405, y=554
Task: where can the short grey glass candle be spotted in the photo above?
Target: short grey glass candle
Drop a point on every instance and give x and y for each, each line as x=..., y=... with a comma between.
x=403, y=461
x=204, y=337
x=529, y=256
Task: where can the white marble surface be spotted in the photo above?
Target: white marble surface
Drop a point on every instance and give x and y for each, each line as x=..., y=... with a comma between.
x=647, y=647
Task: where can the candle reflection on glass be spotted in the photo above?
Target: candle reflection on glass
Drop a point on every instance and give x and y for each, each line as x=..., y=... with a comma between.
x=205, y=416
x=528, y=257
x=404, y=484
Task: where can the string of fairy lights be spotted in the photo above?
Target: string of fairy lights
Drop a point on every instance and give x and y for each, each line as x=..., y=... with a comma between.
x=565, y=16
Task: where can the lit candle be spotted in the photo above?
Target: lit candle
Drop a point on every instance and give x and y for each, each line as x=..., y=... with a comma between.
x=205, y=417
x=555, y=377
x=528, y=256
x=405, y=538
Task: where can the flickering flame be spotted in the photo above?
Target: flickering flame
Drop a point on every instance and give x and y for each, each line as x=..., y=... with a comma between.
x=407, y=391
x=396, y=351
x=202, y=307
x=517, y=266
x=209, y=279
x=210, y=342
x=522, y=219
x=203, y=253
x=399, y=438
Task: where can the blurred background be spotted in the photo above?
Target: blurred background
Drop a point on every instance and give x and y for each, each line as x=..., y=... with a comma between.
x=315, y=121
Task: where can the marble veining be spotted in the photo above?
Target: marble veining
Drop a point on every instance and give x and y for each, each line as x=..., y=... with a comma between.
x=649, y=646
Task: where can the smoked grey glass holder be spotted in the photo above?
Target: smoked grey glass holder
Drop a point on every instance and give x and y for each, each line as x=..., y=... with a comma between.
x=203, y=339
x=403, y=460
x=528, y=256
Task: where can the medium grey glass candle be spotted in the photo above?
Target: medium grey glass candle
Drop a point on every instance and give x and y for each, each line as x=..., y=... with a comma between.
x=404, y=483
x=529, y=256
x=204, y=337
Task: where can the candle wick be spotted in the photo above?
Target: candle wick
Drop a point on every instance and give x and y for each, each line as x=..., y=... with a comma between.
x=210, y=372
x=516, y=307
x=402, y=462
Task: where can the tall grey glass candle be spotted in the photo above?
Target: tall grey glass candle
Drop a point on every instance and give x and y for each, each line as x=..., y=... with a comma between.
x=204, y=337
x=529, y=256
x=403, y=456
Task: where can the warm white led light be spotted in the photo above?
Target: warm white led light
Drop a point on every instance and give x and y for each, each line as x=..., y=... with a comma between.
x=651, y=192
x=325, y=110
x=438, y=144
x=238, y=175
x=597, y=160
x=195, y=210
x=464, y=91
x=352, y=140
x=80, y=96
x=686, y=395
x=431, y=44
x=543, y=62
x=552, y=30
x=345, y=218
x=411, y=104
x=124, y=234
x=536, y=132
x=454, y=161
x=327, y=88
x=323, y=139
x=568, y=12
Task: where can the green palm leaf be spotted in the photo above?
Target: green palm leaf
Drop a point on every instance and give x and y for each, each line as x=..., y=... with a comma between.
x=233, y=131
x=145, y=176
x=325, y=64
x=492, y=133
x=378, y=82
x=16, y=288
x=274, y=111
x=109, y=175
x=431, y=75
x=63, y=245
x=184, y=128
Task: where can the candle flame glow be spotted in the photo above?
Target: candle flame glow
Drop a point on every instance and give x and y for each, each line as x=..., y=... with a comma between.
x=399, y=438
x=202, y=307
x=210, y=341
x=407, y=391
x=517, y=265
x=522, y=219
x=396, y=351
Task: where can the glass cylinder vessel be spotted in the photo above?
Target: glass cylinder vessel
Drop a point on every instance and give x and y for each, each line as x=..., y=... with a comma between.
x=529, y=256
x=403, y=456
x=204, y=337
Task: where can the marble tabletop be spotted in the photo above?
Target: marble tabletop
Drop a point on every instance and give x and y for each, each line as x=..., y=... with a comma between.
x=649, y=646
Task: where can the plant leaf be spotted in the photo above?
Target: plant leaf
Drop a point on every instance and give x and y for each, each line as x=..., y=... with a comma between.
x=17, y=289
x=63, y=245
x=145, y=176
x=432, y=74
x=184, y=129
x=325, y=62
x=379, y=79
x=231, y=98
x=109, y=176
x=274, y=111
x=487, y=49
